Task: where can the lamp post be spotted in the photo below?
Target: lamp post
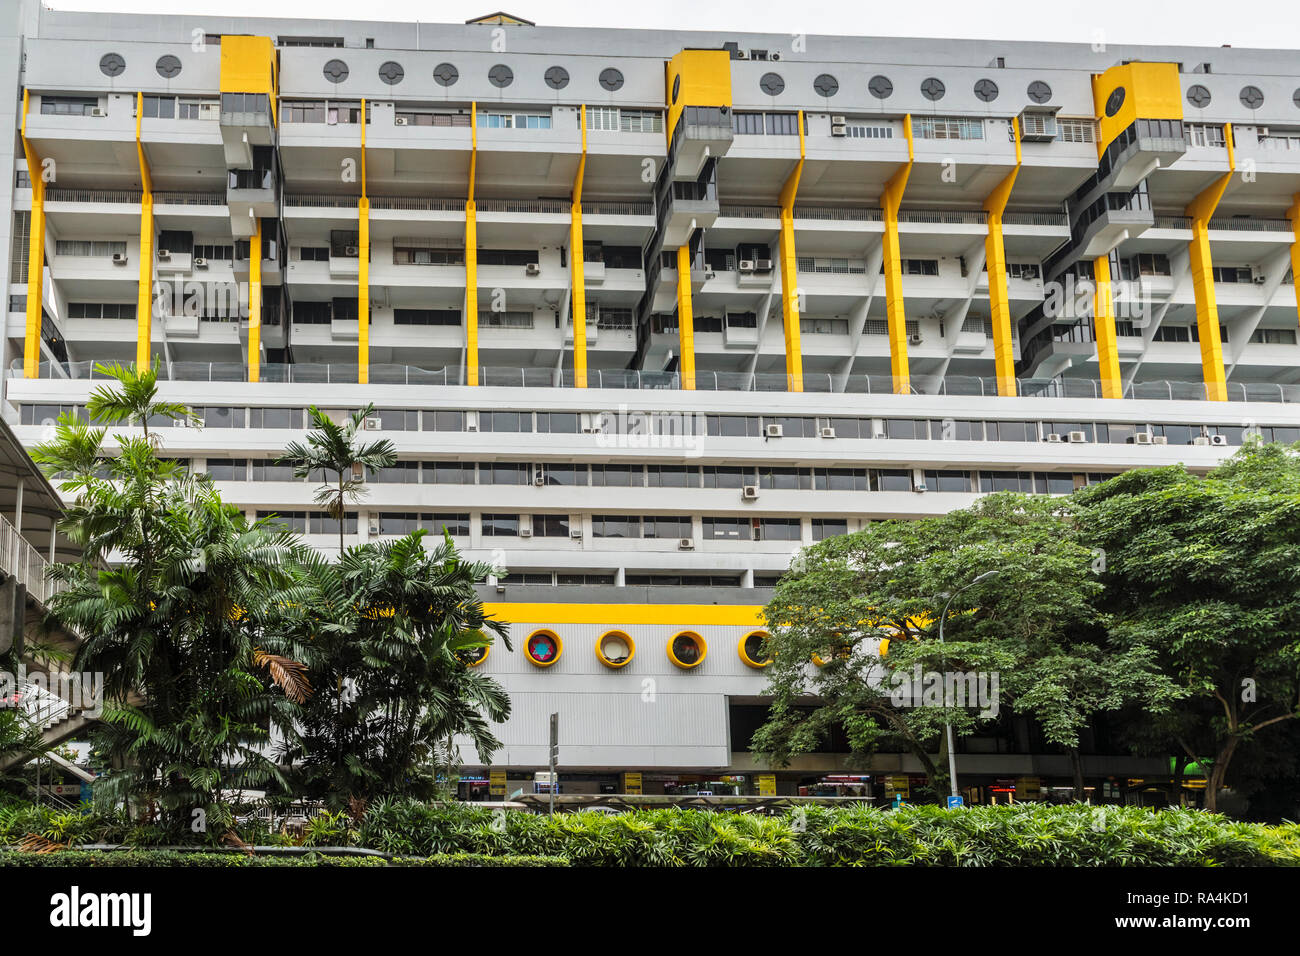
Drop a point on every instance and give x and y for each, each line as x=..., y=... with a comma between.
x=952, y=752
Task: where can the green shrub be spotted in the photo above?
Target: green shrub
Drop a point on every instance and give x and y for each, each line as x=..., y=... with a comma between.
x=171, y=858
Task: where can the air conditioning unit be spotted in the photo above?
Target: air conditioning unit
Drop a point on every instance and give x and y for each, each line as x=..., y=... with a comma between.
x=839, y=120
x=685, y=544
x=742, y=55
x=164, y=254
x=533, y=269
x=471, y=426
x=119, y=258
x=914, y=338
x=839, y=129
x=575, y=533
x=746, y=265
x=351, y=251
x=773, y=431
x=827, y=431
x=921, y=486
x=1259, y=278
x=200, y=263
x=1055, y=438
x=1218, y=439
x=1160, y=439
x=373, y=526
x=1078, y=436
x=1037, y=126
x=774, y=56
x=98, y=111
x=880, y=435
x=539, y=480
x=749, y=493
x=373, y=424
x=400, y=121
x=358, y=472
x=1141, y=438
x=525, y=532
x=1201, y=440
x=762, y=265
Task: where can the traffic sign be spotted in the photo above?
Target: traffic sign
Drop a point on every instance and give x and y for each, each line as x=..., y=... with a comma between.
x=956, y=801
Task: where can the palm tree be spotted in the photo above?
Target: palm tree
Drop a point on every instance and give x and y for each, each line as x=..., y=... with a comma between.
x=333, y=448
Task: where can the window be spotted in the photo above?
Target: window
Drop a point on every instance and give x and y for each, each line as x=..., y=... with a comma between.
x=275, y=418
x=557, y=422
x=906, y=428
x=69, y=105
x=920, y=267
x=313, y=253
x=950, y=430
x=319, y=522
x=589, y=579
x=841, y=479
x=1274, y=336
x=505, y=473
x=159, y=107
x=778, y=529
x=409, y=253
x=455, y=522
x=824, y=326
x=1204, y=134
x=245, y=103
x=564, y=474
x=293, y=520
x=789, y=479
x=947, y=481
x=728, y=476
x=89, y=247
x=505, y=421
x=550, y=526
x=618, y=476
x=734, y=426
x=444, y=421
x=672, y=476
x=667, y=526
x=514, y=120
x=500, y=525
x=400, y=472
x=215, y=252
x=101, y=310
x=1012, y=431
x=267, y=469
x=991, y=481
x=895, y=480
x=851, y=427
x=228, y=469
x=220, y=417
x=505, y=320
x=431, y=118
x=862, y=131
x=728, y=529
x=1075, y=130
x=450, y=472
x=398, y=420
x=615, y=526
x=937, y=127
x=822, y=528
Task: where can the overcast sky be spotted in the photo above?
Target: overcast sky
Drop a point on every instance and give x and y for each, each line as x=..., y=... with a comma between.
x=1246, y=23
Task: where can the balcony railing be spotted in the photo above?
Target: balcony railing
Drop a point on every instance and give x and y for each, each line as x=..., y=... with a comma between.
x=838, y=213
x=749, y=212
x=1235, y=224
x=1035, y=219
x=189, y=199
x=512, y=377
x=418, y=203
x=949, y=216
x=601, y=208
x=19, y=558
x=528, y=206
x=94, y=195
x=1172, y=222
x=305, y=201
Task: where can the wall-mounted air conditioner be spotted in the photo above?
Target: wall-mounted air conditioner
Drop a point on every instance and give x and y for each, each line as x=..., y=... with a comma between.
x=827, y=431
x=164, y=254
x=1160, y=439
x=351, y=251
x=762, y=265
x=533, y=269
x=839, y=129
x=749, y=493
x=914, y=338
x=1141, y=438
x=1218, y=439
x=400, y=121
x=685, y=544
x=98, y=111
x=774, y=431
x=1078, y=436
x=575, y=533
x=1038, y=126
x=119, y=258
x=200, y=263
x=1055, y=438
x=373, y=526
x=746, y=265
x=373, y=424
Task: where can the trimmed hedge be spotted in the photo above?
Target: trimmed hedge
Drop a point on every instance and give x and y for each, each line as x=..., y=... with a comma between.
x=169, y=858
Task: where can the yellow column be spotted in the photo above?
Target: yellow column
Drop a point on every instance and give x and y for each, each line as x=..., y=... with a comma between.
x=144, y=293
x=995, y=257
x=685, y=317
x=471, y=258
x=1294, y=215
x=577, y=266
x=890, y=200
x=790, y=274
x=1103, y=324
x=1202, y=265
x=35, y=257
x=363, y=267
x=255, y=303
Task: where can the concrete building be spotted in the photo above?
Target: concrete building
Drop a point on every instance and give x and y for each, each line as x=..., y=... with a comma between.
x=645, y=312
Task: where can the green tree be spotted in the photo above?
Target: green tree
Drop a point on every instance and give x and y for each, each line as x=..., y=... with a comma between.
x=1206, y=572
x=333, y=449
x=171, y=599
x=379, y=629
x=1032, y=624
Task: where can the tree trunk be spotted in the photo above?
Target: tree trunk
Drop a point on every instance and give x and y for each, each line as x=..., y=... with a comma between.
x=1218, y=773
x=1076, y=764
x=1176, y=781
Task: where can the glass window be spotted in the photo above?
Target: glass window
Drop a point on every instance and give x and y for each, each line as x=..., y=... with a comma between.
x=400, y=472
x=672, y=476
x=268, y=470
x=215, y=417
x=618, y=476
x=896, y=480
x=950, y=430
x=906, y=428
x=505, y=421
x=822, y=528
x=443, y=421
x=841, y=479
x=550, y=526
x=728, y=476
x=784, y=478
x=449, y=472
x=728, y=529
x=505, y=473
x=228, y=469
x=398, y=420
x=563, y=474
x=667, y=526
x=558, y=422
x=615, y=526
x=294, y=520
x=1012, y=431
x=947, y=481
x=500, y=525
x=275, y=417
x=455, y=522
x=779, y=529
x=734, y=426
x=851, y=427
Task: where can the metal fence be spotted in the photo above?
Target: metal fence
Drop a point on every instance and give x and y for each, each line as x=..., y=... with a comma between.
x=20, y=559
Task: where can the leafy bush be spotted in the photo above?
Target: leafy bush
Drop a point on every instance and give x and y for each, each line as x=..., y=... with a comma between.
x=170, y=858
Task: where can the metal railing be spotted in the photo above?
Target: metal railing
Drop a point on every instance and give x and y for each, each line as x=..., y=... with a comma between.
x=1235, y=224
x=1035, y=219
x=419, y=203
x=42, y=707
x=602, y=208
x=749, y=212
x=527, y=206
x=24, y=562
x=189, y=199
x=949, y=216
x=514, y=377
x=838, y=213
x=93, y=195
x=1171, y=222
x=306, y=201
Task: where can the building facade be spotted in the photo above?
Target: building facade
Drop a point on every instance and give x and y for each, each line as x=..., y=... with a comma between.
x=646, y=312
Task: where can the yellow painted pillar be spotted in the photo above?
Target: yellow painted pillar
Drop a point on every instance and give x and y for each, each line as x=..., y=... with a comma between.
x=471, y=258
x=685, y=318
x=995, y=258
x=890, y=200
x=35, y=257
x=1202, y=265
x=363, y=290
x=144, y=294
x=1103, y=325
x=255, y=303
x=790, y=274
x=577, y=266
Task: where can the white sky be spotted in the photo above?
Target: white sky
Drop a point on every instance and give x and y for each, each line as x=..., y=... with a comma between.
x=1246, y=23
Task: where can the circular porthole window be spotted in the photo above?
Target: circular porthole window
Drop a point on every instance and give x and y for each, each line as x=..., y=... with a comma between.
x=445, y=74
x=1039, y=92
x=932, y=88
x=1198, y=95
x=615, y=649
x=473, y=656
x=839, y=653
x=611, y=79
x=501, y=76
x=751, y=650
x=986, y=91
x=826, y=85
x=772, y=84
x=336, y=71
x=543, y=648
x=112, y=64
x=391, y=72
x=687, y=650
x=557, y=77
x=1252, y=97
x=677, y=86
x=881, y=87
x=168, y=66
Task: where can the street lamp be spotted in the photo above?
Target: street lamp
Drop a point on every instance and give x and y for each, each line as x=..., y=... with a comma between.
x=952, y=752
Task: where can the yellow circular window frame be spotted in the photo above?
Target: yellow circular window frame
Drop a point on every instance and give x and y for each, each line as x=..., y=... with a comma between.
x=840, y=653
x=699, y=643
x=744, y=654
x=543, y=632
x=619, y=635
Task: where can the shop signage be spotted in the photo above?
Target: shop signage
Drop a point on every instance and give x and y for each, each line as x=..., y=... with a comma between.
x=767, y=785
x=496, y=783
x=632, y=783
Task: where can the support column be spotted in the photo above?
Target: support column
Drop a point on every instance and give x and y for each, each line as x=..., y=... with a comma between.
x=995, y=257
x=685, y=317
x=790, y=274
x=1103, y=330
x=35, y=257
x=577, y=266
x=255, y=303
x=363, y=267
x=471, y=258
x=1202, y=266
x=144, y=293
x=1294, y=215
x=890, y=200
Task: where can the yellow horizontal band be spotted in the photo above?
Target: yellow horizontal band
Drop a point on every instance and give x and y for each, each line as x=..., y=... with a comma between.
x=678, y=615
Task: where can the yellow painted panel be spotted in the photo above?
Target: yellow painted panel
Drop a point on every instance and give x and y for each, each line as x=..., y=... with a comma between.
x=144, y=294
x=255, y=303
x=471, y=294
x=684, y=615
x=1294, y=215
x=577, y=265
x=1207, y=313
x=1004, y=362
x=891, y=198
x=701, y=78
x=35, y=256
x=789, y=259
x=363, y=290
x=1151, y=91
x=685, y=318
x=247, y=65
x=1103, y=321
